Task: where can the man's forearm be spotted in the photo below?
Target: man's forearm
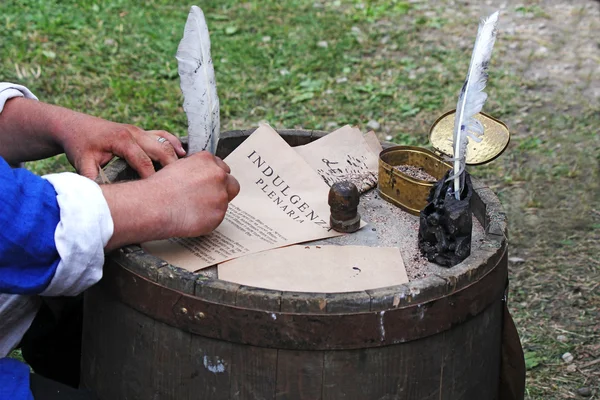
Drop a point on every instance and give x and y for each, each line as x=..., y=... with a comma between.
x=137, y=217
x=29, y=129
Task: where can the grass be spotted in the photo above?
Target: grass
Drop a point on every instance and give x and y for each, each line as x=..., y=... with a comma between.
x=400, y=63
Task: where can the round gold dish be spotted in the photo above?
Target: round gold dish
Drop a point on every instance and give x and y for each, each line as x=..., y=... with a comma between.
x=407, y=192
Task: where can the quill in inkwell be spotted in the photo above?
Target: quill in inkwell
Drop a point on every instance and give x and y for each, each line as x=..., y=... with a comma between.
x=446, y=221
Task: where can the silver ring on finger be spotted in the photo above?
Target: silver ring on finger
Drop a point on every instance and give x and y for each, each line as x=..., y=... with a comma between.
x=161, y=139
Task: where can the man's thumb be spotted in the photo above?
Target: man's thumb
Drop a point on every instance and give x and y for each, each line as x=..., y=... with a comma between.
x=90, y=170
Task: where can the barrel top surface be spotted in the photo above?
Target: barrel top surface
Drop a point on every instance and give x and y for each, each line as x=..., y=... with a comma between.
x=488, y=251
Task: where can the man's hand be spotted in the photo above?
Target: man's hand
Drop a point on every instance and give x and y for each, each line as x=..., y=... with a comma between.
x=186, y=198
x=91, y=142
x=32, y=130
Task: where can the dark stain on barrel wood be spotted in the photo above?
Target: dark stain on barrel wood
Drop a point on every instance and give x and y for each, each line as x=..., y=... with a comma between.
x=121, y=366
x=299, y=375
x=254, y=372
x=155, y=331
x=171, y=350
x=462, y=355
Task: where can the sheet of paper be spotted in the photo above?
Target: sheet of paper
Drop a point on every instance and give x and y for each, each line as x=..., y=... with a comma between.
x=342, y=155
x=282, y=201
x=373, y=142
x=319, y=269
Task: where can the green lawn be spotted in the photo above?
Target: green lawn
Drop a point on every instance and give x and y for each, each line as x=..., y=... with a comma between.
x=323, y=64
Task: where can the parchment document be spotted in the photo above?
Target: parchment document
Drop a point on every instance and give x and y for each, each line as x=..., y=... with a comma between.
x=320, y=269
x=373, y=143
x=282, y=201
x=344, y=155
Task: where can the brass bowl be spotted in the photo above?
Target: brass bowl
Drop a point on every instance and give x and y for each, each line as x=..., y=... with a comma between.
x=407, y=192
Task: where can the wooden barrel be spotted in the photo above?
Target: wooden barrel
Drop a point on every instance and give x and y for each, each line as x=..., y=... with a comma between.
x=154, y=331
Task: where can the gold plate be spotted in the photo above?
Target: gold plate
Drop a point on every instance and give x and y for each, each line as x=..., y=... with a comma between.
x=495, y=138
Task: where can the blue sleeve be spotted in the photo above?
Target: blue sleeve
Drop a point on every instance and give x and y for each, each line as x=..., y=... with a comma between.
x=29, y=214
x=14, y=380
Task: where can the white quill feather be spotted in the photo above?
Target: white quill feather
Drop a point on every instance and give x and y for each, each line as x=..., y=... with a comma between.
x=471, y=99
x=197, y=81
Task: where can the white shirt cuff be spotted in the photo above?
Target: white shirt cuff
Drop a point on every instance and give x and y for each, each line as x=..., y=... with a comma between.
x=84, y=229
x=10, y=90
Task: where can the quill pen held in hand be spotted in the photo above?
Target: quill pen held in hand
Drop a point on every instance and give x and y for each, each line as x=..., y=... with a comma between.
x=471, y=99
x=198, y=84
